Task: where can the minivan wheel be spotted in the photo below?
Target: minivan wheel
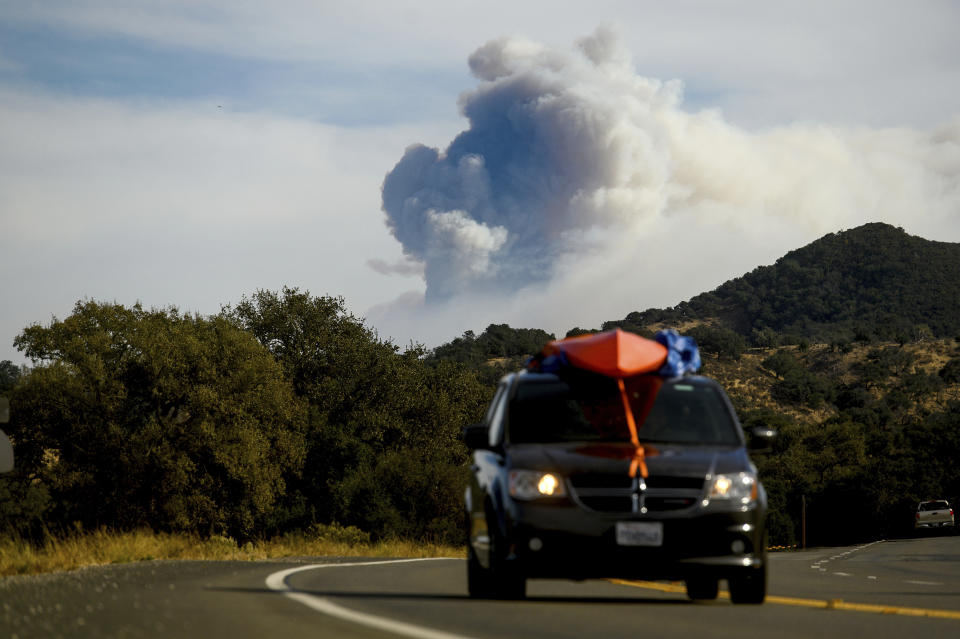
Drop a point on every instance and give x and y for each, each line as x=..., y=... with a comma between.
x=702, y=588
x=509, y=585
x=505, y=581
x=749, y=587
x=479, y=584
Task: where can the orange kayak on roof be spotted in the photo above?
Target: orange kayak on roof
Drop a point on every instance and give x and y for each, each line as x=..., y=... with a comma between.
x=614, y=353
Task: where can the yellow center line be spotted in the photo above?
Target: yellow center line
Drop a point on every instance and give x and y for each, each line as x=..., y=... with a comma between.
x=826, y=604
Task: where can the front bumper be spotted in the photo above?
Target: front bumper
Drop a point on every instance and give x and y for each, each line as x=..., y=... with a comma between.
x=574, y=543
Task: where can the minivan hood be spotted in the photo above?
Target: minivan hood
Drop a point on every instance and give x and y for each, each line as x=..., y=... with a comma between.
x=614, y=458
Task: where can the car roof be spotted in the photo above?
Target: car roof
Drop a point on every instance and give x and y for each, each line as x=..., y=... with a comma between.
x=534, y=377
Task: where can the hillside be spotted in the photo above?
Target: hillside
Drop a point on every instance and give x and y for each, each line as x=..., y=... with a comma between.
x=820, y=382
x=871, y=282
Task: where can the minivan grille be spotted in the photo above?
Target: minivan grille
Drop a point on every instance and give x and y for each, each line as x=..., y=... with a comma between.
x=599, y=480
x=622, y=494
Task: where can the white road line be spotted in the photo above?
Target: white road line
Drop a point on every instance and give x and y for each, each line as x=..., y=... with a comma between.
x=818, y=565
x=278, y=583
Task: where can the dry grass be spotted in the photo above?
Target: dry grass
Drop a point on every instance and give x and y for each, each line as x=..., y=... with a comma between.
x=748, y=382
x=18, y=557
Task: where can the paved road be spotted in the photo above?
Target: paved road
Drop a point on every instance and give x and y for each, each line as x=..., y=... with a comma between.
x=882, y=587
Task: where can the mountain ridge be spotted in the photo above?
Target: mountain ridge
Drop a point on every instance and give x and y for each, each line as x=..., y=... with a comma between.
x=874, y=281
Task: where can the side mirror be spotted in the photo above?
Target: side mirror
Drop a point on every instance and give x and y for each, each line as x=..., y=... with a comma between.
x=761, y=439
x=476, y=436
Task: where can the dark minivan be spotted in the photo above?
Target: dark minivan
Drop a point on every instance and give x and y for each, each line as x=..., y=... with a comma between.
x=559, y=490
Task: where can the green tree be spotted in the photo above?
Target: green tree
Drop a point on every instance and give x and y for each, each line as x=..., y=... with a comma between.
x=371, y=406
x=765, y=338
x=9, y=374
x=950, y=373
x=803, y=388
x=497, y=341
x=918, y=385
x=153, y=417
x=781, y=363
x=723, y=342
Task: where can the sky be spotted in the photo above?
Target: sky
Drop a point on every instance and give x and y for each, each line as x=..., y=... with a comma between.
x=447, y=165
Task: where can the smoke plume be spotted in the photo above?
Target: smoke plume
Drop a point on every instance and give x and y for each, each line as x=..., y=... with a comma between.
x=580, y=179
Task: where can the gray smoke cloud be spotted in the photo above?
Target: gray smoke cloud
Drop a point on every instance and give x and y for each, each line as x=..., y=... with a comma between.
x=404, y=267
x=574, y=169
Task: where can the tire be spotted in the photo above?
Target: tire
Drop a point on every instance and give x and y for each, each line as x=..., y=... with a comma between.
x=702, y=588
x=500, y=580
x=509, y=585
x=506, y=582
x=479, y=584
x=749, y=587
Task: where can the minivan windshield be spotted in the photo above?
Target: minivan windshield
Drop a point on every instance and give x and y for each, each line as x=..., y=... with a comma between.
x=590, y=408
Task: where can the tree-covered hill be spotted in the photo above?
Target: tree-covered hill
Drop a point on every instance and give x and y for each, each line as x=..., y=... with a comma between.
x=871, y=282
x=496, y=342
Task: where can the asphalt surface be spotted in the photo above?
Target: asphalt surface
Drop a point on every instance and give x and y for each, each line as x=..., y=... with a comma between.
x=885, y=589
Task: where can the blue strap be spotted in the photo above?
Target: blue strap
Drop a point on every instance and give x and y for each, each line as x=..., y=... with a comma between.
x=554, y=363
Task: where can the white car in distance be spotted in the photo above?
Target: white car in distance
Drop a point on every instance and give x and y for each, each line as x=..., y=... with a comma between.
x=935, y=513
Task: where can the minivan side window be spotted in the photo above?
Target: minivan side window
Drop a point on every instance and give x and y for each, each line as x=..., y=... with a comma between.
x=495, y=415
x=493, y=404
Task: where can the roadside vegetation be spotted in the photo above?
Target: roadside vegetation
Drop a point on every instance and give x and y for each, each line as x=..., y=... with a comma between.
x=79, y=549
x=280, y=414
x=258, y=431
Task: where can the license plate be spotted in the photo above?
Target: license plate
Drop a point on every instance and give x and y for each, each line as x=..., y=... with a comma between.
x=640, y=533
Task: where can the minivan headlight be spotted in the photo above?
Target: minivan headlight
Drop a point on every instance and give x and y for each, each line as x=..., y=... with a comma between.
x=533, y=484
x=736, y=487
